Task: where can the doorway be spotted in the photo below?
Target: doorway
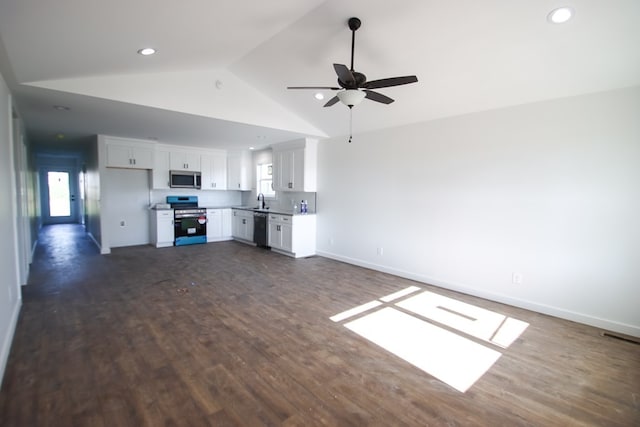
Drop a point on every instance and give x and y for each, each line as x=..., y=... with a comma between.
x=59, y=200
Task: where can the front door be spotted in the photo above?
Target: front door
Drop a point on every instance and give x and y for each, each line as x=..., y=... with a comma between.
x=59, y=186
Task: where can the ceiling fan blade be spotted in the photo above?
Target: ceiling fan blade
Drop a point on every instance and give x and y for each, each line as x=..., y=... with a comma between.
x=392, y=81
x=314, y=87
x=378, y=97
x=331, y=101
x=344, y=74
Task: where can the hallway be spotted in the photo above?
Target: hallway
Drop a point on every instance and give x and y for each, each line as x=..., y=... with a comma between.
x=227, y=334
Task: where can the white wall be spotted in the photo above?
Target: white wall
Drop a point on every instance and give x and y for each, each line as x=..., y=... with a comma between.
x=548, y=190
x=125, y=213
x=92, y=193
x=10, y=297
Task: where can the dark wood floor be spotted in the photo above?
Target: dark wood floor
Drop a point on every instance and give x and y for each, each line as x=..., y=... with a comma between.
x=227, y=334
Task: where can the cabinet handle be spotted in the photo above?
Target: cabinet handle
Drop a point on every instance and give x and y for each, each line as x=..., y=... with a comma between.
x=290, y=185
x=278, y=228
x=244, y=221
x=238, y=185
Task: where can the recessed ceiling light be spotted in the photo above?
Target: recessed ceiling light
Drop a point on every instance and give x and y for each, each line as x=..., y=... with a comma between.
x=147, y=51
x=252, y=148
x=319, y=96
x=560, y=15
x=61, y=108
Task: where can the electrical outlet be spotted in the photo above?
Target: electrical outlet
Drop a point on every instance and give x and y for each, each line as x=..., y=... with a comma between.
x=380, y=251
x=516, y=278
x=331, y=241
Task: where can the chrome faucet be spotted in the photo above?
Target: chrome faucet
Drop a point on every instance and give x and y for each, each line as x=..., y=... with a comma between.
x=261, y=200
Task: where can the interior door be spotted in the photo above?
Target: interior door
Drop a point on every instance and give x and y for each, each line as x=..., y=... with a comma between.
x=59, y=196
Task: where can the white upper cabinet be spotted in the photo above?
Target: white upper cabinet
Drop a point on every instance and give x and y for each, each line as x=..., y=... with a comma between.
x=161, y=166
x=130, y=154
x=239, y=170
x=214, y=171
x=295, y=165
x=185, y=161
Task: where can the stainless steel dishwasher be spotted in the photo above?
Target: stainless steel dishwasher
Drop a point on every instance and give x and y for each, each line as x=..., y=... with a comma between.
x=260, y=228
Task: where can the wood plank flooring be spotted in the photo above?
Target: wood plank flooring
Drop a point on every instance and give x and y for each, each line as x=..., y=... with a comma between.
x=226, y=334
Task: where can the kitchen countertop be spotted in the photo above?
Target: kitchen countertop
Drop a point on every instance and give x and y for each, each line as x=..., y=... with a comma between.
x=273, y=211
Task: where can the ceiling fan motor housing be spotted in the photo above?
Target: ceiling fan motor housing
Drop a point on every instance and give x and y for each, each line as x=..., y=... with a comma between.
x=354, y=23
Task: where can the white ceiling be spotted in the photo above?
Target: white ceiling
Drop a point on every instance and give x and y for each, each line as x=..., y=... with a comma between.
x=468, y=55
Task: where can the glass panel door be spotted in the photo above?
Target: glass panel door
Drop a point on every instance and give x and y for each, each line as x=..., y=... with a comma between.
x=59, y=203
x=59, y=194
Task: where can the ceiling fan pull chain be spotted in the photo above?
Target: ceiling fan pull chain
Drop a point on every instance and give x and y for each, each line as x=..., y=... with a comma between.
x=350, y=124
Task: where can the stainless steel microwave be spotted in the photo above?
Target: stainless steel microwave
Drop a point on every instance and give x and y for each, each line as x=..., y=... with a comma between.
x=184, y=179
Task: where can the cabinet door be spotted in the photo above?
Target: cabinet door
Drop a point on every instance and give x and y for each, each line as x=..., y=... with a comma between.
x=286, y=232
x=128, y=154
x=226, y=223
x=284, y=170
x=118, y=156
x=160, y=175
x=236, y=225
x=287, y=170
x=297, y=169
x=165, y=230
x=185, y=161
x=233, y=172
x=214, y=224
x=239, y=171
x=248, y=229
x=142, y=157
x=214, y=172
x=219, y=172
x=274, y=235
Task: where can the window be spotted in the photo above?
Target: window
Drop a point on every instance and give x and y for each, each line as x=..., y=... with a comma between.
x=264, y=185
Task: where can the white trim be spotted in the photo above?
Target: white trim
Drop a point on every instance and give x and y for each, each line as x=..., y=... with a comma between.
x=597, y=322
x=8, y=339
x=102, y=251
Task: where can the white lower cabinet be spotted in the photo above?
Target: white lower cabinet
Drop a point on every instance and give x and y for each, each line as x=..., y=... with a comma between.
x=218, y=225
x=292, y=235
x=162, y=231
x=242, y=225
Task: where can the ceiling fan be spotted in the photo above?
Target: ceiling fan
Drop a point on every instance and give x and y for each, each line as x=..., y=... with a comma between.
x=353, y=86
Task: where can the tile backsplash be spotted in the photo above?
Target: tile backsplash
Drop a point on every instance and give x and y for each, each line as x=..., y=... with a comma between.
x=284, y=200
x=205, y=198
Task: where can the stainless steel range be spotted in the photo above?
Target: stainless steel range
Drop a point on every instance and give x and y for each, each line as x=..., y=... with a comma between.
x=190, y=221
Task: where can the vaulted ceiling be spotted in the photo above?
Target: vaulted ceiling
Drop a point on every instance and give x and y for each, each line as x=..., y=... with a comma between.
x=220, y=73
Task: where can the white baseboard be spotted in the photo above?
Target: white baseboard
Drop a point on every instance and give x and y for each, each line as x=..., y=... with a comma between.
x=33, y=250
x=105, y=251
x=8, y=339
x=562, y=313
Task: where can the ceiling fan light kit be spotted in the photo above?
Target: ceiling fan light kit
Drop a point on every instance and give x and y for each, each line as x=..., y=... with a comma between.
x=351, y=97
x=353, y=86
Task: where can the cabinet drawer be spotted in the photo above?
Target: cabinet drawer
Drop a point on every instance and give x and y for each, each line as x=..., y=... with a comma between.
x=285, y=219
x=164, y=214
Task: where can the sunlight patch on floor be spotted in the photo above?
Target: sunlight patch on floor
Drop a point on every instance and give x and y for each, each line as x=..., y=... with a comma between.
x=470, y=319
x=449, y=357
x=412, y=329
